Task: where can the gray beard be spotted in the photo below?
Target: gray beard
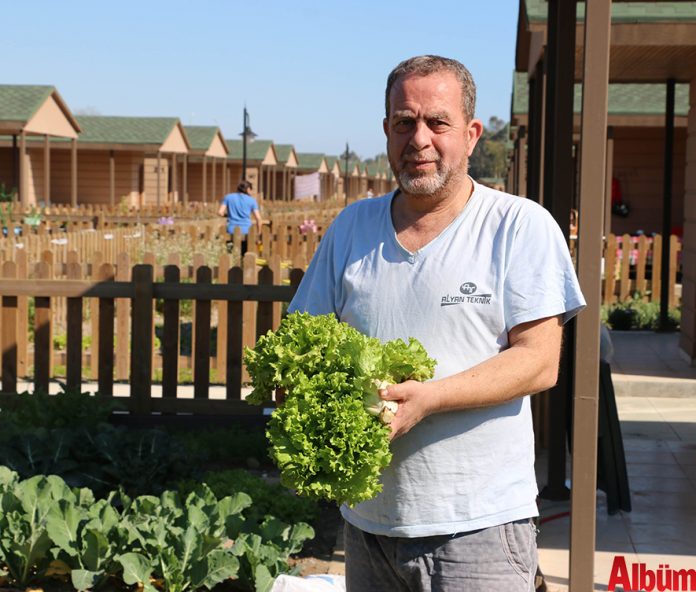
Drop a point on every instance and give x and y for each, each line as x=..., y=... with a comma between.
x=423, y=184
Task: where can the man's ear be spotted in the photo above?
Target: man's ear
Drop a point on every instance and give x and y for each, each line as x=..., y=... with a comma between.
x=385, y=126
x=474, y=131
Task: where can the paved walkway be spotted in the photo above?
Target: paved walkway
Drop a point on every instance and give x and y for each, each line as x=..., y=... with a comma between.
x=656, y=400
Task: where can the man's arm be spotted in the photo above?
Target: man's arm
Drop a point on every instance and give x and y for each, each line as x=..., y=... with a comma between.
x=529, y=365
x=222, y=210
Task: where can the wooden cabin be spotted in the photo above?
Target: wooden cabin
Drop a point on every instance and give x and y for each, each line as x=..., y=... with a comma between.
x=260, y=160
x=205, y=171
x=309, y=163
x=635, y=144
x=284, y=172
x=30, y=116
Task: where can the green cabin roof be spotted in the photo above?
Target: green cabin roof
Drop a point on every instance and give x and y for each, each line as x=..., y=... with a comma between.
x=309, y=160
x=624, y=12
x=200, y=137
x=21, y=102
x=256, y=149
x=624, y=98
x=283, y=152
x=101, y=129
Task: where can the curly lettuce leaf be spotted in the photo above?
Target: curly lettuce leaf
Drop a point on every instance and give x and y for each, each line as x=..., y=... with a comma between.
x=323, y=439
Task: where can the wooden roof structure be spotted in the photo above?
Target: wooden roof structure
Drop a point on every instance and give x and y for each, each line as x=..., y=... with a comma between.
x=36, y=110
x=206, y=141
x=286, y=155
x=258, y=152
x=311, y=162
x=560, y=42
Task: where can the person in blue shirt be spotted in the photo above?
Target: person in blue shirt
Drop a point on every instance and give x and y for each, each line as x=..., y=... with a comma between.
x=239, y=208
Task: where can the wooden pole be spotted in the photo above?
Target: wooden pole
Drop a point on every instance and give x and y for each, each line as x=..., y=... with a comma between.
x=586, y=379
x=23, y=196
x=73, y=172
x=112, y=179
x=47, y=171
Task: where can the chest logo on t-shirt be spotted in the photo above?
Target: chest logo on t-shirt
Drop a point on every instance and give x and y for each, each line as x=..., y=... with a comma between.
x=468, y=295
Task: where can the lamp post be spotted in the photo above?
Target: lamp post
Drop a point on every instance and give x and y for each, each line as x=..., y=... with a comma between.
x=247, y=136
x=346, y=156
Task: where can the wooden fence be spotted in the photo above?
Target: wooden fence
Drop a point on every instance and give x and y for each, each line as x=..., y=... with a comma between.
x=242, y=304
x=633, y=265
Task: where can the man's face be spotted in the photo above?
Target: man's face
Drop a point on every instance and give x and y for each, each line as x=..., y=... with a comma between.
x=429, y=140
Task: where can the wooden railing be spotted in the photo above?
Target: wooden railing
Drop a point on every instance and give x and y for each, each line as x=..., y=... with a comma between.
x=244, y=303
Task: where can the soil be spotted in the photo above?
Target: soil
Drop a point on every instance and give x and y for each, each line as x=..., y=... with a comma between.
x=316, y=554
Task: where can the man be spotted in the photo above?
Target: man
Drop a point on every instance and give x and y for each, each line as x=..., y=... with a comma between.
x=484, y=280
x=238, y=208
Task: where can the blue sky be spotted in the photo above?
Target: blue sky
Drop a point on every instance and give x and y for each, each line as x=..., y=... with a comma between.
x=311, y=73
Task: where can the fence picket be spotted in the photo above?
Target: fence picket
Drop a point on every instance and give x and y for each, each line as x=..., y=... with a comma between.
x=74, y=334
x=9, y=332
x=43, y=339
x=170, y=337
x=141, y=331
x=235, y=333
x=201, y=329
x=105, y=349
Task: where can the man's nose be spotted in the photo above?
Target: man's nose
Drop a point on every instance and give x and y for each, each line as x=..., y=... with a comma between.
x=421, y=136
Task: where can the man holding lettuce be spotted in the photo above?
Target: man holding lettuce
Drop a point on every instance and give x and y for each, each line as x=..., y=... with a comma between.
x=484, y=281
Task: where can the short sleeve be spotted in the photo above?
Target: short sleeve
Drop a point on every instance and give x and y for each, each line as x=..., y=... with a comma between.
x=540, y=279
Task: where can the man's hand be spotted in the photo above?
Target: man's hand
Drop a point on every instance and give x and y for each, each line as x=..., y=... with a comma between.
x=414, y=404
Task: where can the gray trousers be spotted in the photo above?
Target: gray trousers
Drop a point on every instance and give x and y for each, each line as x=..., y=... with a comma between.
x=496, y=559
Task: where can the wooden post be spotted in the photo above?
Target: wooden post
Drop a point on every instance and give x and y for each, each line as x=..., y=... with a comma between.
x=608, y=181
x=122, y=318
x=558, y=186
x=112, y=179
x=583, y=501
x=97, y=261
x=204, y=197
x=73, y=172
x=159, y=178
x=9, y=333
x=170, y=337
x=105, y=350
x=201, y=328
x=43, y=346
x=22, y=317
x=185, y=179
x=221, y=354
x=47, y=171
x=22, y=189
x=141, y=331
x=74, y=331
x=233, y=380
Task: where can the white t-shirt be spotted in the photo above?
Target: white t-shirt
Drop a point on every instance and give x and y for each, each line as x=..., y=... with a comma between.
x=503, y=261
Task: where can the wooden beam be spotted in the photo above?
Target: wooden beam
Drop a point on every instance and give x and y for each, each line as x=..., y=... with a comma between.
x=112, y=178
x=608, y=179
x=73, y=172
x=159, y=177
x=590, y=244
x=558, y=188
x=667, y=203
x=47, y=171
x=204, y=197
x=184, y=180
x=22, y=190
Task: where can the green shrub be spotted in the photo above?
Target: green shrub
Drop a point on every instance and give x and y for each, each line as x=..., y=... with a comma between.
x=634, y=313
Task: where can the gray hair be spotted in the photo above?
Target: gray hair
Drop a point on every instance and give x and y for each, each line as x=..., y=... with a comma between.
x=431, y=64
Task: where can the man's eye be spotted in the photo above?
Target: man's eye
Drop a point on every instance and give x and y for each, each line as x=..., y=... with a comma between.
x=437, y=124
x=402, y=124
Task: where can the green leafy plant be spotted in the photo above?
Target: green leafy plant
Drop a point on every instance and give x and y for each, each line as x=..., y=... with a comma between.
x=69, y=407
x=269, y=498
x=323, y=439
x=635, y=313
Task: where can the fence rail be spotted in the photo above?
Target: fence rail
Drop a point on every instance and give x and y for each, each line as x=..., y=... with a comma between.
x=228, y=315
